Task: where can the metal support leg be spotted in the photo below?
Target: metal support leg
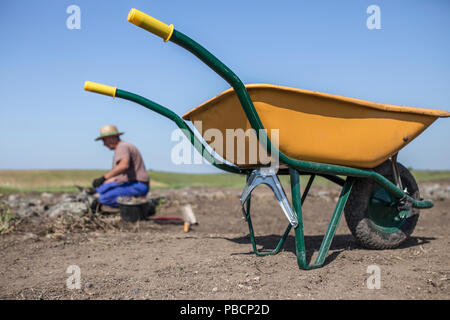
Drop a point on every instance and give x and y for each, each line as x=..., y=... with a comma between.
x=247, y=216
x=329, y=235
x=398, y=180
x=405, y=203
x=252, y=234
x=268, y=177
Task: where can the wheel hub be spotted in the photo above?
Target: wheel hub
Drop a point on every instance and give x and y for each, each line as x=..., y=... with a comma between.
x=384, y=212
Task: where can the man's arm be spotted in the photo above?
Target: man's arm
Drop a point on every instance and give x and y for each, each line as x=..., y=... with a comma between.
x=120, y=167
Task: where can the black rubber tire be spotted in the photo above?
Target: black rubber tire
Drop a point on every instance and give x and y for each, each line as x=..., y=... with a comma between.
x=357, y=214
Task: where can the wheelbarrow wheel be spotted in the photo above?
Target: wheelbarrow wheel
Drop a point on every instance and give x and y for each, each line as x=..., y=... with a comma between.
x=370, y=215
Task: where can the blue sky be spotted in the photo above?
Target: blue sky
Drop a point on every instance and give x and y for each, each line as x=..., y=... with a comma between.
x=49, y=122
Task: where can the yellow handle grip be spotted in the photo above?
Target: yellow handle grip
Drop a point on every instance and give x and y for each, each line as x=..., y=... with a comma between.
x=100, y=88
x=150, y=24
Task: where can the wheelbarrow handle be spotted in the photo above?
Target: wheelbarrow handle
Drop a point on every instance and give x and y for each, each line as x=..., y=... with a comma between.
x=167, y=32
x=100, y=88
x=150, y=24
x=199, y=145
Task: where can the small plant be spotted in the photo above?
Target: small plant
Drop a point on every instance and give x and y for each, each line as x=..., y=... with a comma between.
x=5, y=217
x=158, y=202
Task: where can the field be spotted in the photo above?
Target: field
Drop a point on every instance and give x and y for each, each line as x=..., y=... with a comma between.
x=65, y=180
x=214, y=260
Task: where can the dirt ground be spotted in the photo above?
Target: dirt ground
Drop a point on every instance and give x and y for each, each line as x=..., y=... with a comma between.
x=215, y=259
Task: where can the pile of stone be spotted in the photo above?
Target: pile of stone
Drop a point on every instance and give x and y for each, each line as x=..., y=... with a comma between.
x=435, y=191
x=48, y=205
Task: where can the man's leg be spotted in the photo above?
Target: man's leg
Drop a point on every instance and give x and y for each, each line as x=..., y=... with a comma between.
x=106, y=187
x=140, y=189
x=134, y=189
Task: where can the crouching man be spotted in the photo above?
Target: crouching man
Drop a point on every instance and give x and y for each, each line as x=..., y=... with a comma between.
x=128, y=177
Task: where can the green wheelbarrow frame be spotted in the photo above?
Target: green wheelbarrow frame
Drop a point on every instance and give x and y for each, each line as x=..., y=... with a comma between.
x=294, y=167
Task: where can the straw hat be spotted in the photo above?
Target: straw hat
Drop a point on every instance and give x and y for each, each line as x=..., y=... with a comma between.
x=108, y=131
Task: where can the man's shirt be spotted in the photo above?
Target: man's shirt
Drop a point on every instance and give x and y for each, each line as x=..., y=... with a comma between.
x=136, y=171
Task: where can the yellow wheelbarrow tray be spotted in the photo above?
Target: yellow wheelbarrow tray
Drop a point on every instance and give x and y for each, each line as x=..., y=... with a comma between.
x=316, y=126
x=319, y=135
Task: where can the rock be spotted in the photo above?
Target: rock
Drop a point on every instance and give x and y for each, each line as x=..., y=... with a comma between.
x=82, y=196
x=25, y=204
x=40, y=209
x=30, y=236
x=13, y=197
x=324, y=194
x=175, y=203
x=436, y=192
x=67, y=198
x=13, y=201
x=74, y=208
x=429, y=189
x=218, y=195
x=26, y=212
x=34, y=202
x=43, y=207
x=47, y=197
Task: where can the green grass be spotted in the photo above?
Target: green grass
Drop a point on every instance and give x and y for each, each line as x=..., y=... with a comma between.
x=12, y=181
x=5, y=217
x=180, y=180
x=430, y=175
x=38, y=189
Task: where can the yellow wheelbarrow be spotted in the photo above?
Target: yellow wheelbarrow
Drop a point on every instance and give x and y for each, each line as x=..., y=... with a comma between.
x=351, y=142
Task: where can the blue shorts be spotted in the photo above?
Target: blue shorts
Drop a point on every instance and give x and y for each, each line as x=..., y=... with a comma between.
x=109, y=192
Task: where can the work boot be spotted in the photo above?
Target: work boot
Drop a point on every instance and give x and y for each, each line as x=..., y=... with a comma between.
x=109, y=210
x=96, y=206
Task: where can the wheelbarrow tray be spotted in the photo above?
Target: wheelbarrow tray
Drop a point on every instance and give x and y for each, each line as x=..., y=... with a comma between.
x=316, y=126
